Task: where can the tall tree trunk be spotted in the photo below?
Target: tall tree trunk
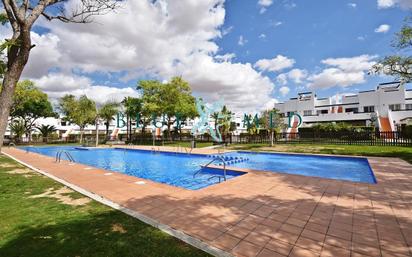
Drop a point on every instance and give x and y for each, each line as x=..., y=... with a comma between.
x=81, y=135
x=127, y=127
x=271, y=137
x=17, y=57
x=97, y=132
x=107, y=129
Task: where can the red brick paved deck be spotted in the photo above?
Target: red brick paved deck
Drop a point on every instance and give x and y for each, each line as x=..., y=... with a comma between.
x=269, y=214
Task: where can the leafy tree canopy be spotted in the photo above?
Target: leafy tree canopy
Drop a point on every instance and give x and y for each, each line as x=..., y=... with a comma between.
x=30, y=103
x=81, y=111
x=132, y=105
x=170, y=99
x=399, y=65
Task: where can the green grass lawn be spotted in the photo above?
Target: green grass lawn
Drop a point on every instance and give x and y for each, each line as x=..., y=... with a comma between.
x=404, y=153
x=188, y=144
x=50, y=225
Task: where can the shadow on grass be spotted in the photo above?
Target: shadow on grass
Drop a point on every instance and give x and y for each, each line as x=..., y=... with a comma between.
x=107, y=234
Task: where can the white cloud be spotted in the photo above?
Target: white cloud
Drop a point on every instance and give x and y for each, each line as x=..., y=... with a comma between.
x=164, y=38
x=361, y=38
x=57, y=85
x=227, y=30
x=275, y=23
x=382, y=28
x=282, y=79
x=352, y=5
x=226, y=57
x=332, y=77
x=58, y=82
x=342, y=72
x=404, y=4
x=284, y=90
x=357, y=63
x=242, y=41
x=262, y=36
x=241, y=86
x=265, y=3
x=43, y=56
x=278, y=63
x=297, y=75
x=270, y=104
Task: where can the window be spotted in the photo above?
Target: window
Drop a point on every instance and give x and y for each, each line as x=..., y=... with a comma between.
x=307, y=113
x=394, y=107
x=63, y=123
x=408, y=106
x=354, y=110
x=369, y=108
x=322, y=111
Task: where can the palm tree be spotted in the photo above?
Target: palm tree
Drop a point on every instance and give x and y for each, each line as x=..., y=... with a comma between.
x=133, y=107
x=45, y=131
x=107, y=113
x=18, y=128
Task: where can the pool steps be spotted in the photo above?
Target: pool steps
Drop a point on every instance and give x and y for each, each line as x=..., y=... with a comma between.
x=230, y=159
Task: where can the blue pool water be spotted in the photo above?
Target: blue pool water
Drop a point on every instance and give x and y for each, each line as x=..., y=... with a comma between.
x=178, y=169
x=169, y=168
x=341, y=168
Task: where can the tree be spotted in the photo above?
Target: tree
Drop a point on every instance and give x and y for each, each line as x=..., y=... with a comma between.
x=106, y=112
x=223, y=120
x=17, y=128
x=22, y=14
x=81, y=112
x=30, y=104
x=45, y=131
x=272, y=121
x=172, y=100
x=133, y=107
x=399, y=65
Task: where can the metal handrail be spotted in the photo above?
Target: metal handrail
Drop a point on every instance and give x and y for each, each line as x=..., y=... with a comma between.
x=153, y=149
x=188, y=151
x=207, y=165
x=68, y=155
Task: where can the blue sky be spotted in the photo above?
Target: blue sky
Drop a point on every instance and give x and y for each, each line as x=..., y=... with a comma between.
x=310, y=31
x=250, y=53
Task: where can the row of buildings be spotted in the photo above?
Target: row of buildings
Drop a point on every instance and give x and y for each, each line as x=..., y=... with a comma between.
x=388, y=106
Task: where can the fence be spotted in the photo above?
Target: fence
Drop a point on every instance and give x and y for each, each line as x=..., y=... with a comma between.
x=397, y=138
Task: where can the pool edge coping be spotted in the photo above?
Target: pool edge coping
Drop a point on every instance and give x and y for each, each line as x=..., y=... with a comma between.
x=199, y=244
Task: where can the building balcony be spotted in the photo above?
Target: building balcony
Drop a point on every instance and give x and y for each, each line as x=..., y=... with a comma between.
x=331, y=117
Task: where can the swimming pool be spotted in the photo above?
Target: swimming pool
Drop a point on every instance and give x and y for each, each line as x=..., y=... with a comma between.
x=341, y=168
x=168, y=168
x=177, y=169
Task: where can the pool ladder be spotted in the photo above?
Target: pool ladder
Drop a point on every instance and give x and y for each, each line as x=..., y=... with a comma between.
x=217, y=158
x=179, y=149
x=153, y=149
x=68, y=155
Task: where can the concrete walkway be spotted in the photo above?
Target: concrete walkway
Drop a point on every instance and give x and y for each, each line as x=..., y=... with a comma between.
x=267, y=214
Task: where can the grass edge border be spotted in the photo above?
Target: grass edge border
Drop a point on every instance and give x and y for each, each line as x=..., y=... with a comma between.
x=167, y=229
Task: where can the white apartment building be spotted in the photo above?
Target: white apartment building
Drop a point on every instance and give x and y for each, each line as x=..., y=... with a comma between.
x=390, y=103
